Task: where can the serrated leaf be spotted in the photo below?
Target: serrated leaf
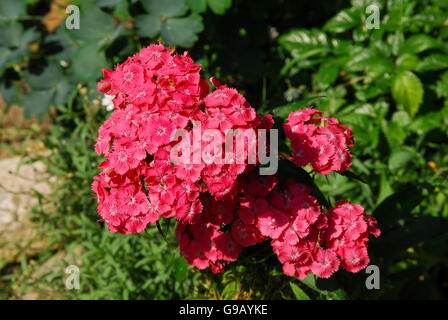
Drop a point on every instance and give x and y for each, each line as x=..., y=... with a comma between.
x=343, y=21
x=231, y=290
x=44, y=77
x=400, y=158
x=441, y=87
x=63, y=88
x=180, y=266
x=95, y=25
x=4, y=54
x=10, y=33
x=164, y=8
x=433, y=62
x=407, y=61
x=37, y=102
x=430, y=121
x=303, y=40
x=107, y=3
x=310, y=282
x=148, y=25
x=10, y=91
x=219, y=6
x=88, y=62
x=298, y=292
x=28, y=36
x=58, y=46
x=351, y=175
x=197, y=6
x=385, y=188
x=419, y=43
x=368, y=59
x=182, y=31
x=327, y=74
x=12, y=8
x=407, y=91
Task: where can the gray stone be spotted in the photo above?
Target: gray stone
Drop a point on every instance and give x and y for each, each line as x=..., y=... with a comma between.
x=18, y=182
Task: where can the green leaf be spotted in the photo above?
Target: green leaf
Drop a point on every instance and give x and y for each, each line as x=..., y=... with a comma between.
x=88, y=62
x=351, y=175
x=28, y=36
x=433, y=62
x=95, y=25
x=10, y=92
x=12, y=8
x=419, y=43
x=182, y=31
x=401, y=118
x=231, y=290
x=298, y=292
x=430, y=121
x=219, y=6
x=37, y=102
x=327, y=74
x=107, y=3
x=310, y=282
x=164, y=8
x=180, y=266
x=385, y=188
x=372, y=60
x=46, y=78
x=4, y=54
x=304, y=40
x=343, y=21
x=441, y=87
x=59, y=46
x=400, y=158
x=407, y=91
x=407, y=61
x=10, y=33
x=63, y=88
x=197, y=6
x=148, y=25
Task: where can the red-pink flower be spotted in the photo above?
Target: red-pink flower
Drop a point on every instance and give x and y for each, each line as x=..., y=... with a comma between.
x=325, y=263
x=319, y=141
x=220, y=207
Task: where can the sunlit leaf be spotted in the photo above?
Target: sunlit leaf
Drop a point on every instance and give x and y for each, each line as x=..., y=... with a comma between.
x=407, y=91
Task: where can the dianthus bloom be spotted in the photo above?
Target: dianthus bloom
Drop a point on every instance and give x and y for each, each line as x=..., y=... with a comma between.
x=321, y=142
x=157, y=92
x=220, y=206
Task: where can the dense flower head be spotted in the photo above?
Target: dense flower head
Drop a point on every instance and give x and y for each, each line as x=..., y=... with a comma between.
x=319, y=141
x=157, y=92
x=303, y=236
x=220, y=206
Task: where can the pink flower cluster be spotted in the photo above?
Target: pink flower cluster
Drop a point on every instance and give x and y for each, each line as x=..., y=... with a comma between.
x=220, y=208
x=321, y=243
x=155, y=93
x=304, y=238
x=321, y=142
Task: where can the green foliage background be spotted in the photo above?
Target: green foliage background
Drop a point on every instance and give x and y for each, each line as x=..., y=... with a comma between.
x=389, y=84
